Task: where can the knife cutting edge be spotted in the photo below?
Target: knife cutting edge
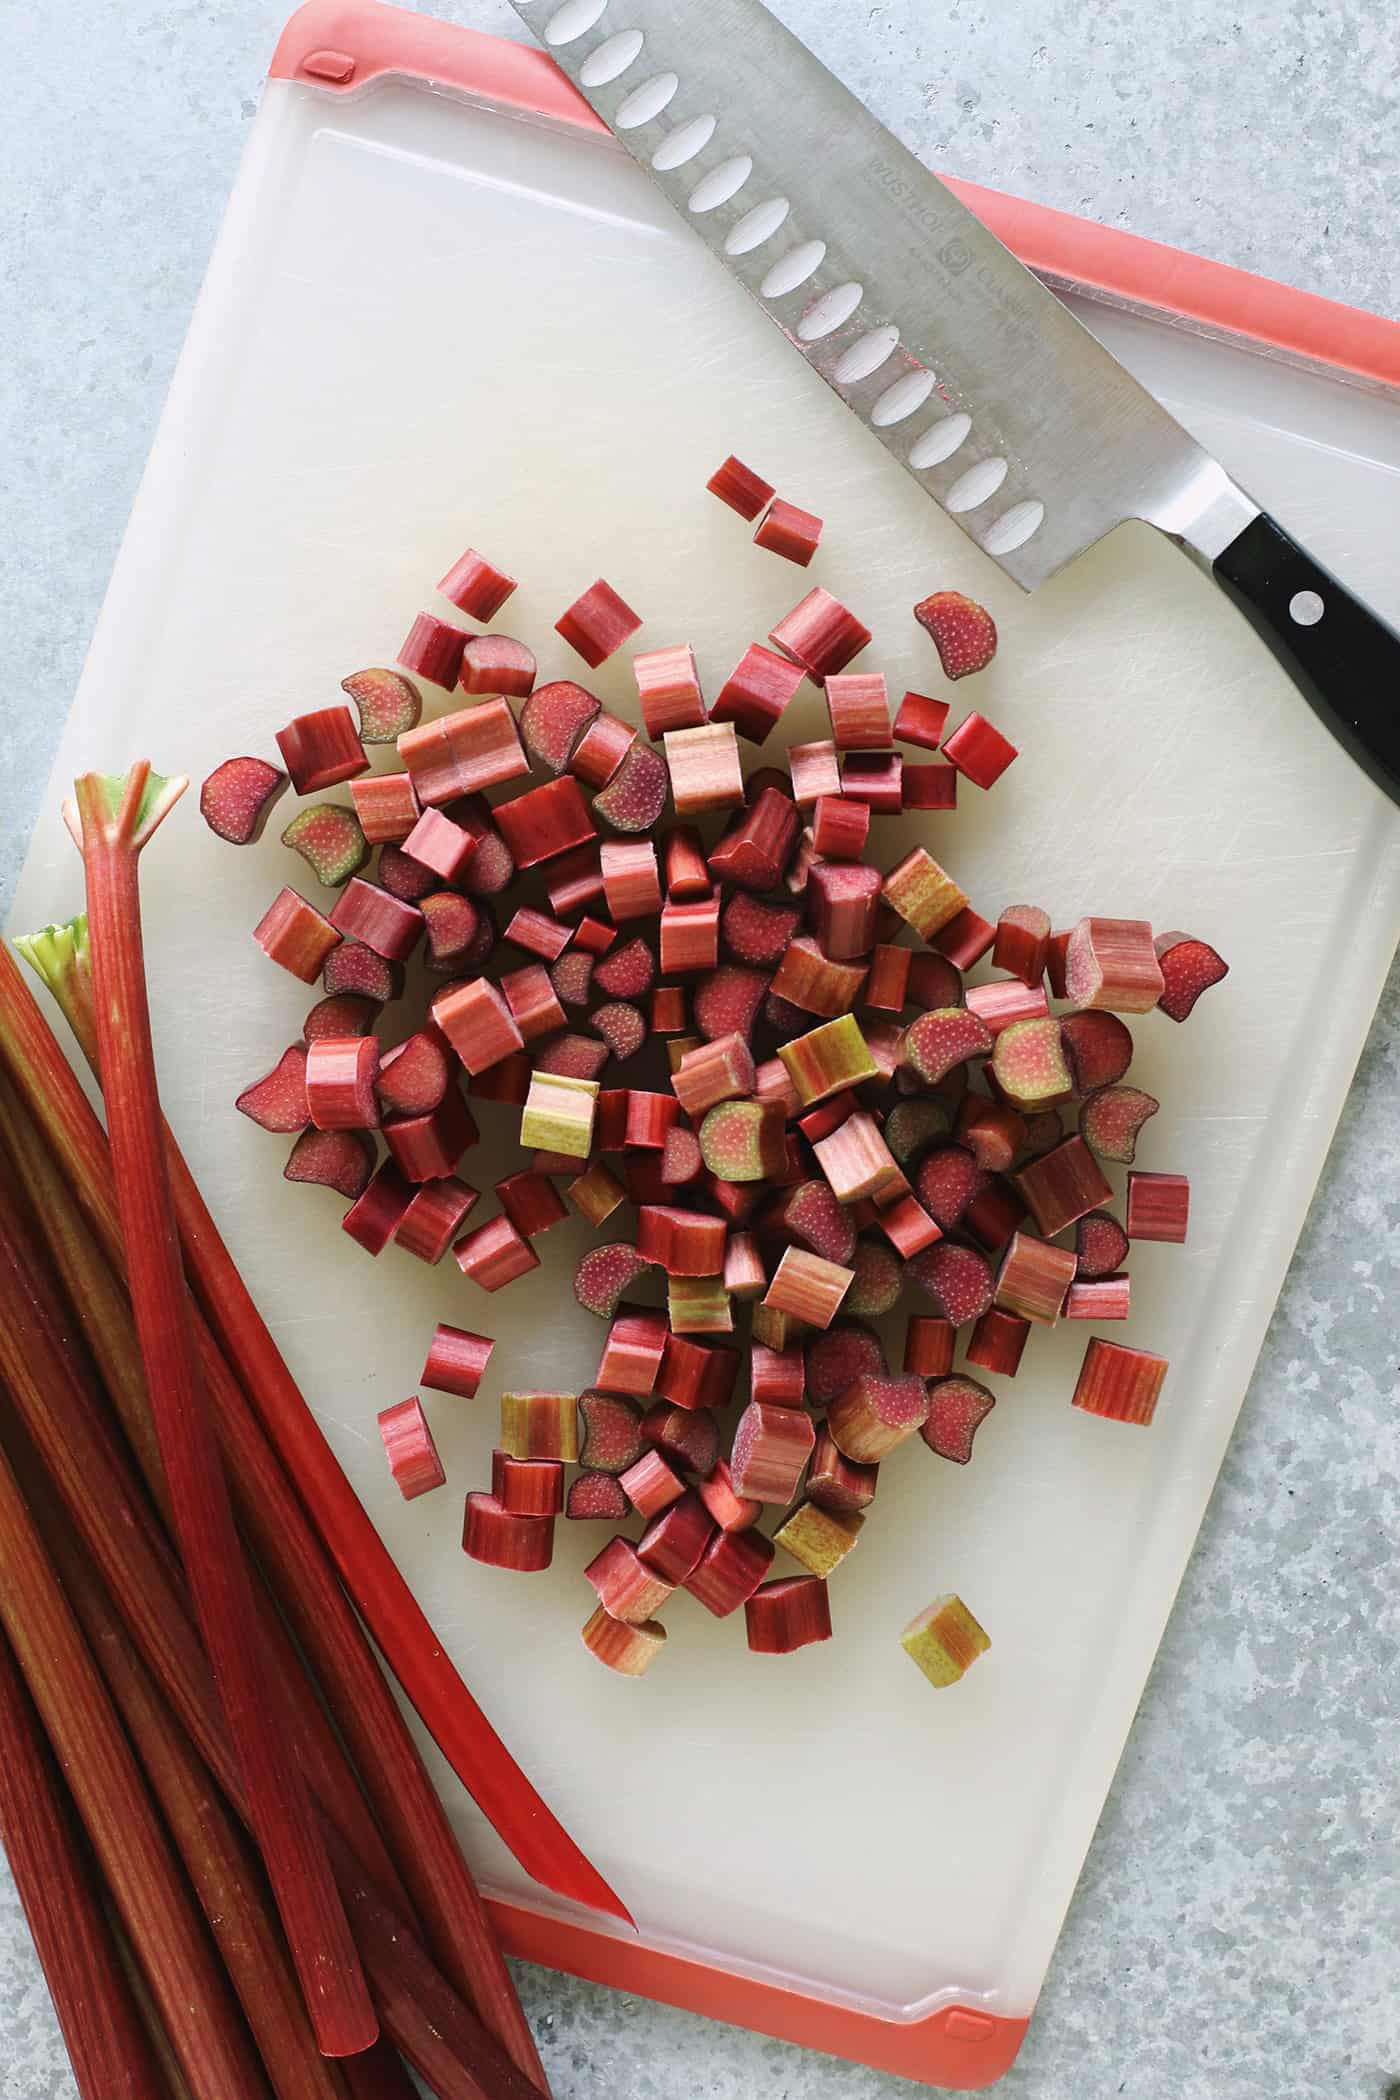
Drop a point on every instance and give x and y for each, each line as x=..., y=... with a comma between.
x=1003, y=406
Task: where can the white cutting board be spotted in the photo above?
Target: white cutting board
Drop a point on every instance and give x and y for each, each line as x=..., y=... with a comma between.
x=428, y=325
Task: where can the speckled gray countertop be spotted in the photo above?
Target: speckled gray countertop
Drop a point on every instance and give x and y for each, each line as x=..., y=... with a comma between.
x=1234, y=1935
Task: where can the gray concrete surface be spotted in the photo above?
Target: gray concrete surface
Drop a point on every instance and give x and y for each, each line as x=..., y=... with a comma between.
x=1234, y=1936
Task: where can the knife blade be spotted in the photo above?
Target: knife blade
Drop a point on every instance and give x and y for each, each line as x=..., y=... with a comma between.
x=969, y=371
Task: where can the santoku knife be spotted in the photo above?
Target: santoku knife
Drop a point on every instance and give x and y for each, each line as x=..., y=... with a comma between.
x=966, y=368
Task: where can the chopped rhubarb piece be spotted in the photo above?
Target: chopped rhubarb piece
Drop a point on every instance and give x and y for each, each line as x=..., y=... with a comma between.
x=704, y=768
x=730, y=1511
x=771, y=1447
x=856, y=1160
x=1099, y=1049
x=457, y=1361
x=1158, y=1207
x=629, y=1650
x=992, y=1132
x=689, y=1439
x=540, y=1425
x=929, y=787
x=944, y=1640
x=597, y=756
x=491, y=868
x=887, y=986
x=928, y=1346
x=948, y=1036
x=957, y=1408
x=756, y=693
x=365, y=913
x=437, y=843
x=387, y=809
x=530, y=996
x=877, y=1279
x=320, y=750
x=545, y=822
x=538, y=934
x=774, y=1328
x=875, y=778
x=632, y=1352
x=649, y=1117
x=1028, y=1064
x=757, y=844
x=527, y=1487
x=531, y=1202
x=476, y=586
x=598, y=623
x=340, y=1076
x=497, y=663
x=493, y=1256
x=921, y=720
x=844, y=904
x=1101, y=1298
x=1056, y=960
x=553, y=720
x=576, y=880
x=786, y=530
x=410, y=1450
x=612, y=1432
x=816, y=982
x=777, y=1377
x=1043, y=1131
x=1062, y=1185
x=627, y=1588
x=808, y=1287
x=1112, y=1119
x=875, y=1413
x=1112, y=964
x=572, y=1057
x=743, y=1141
x=277, y=1101
x=923, y=894
x=239, y=796
x=372, y=1217
x=912, y=1124
x=811, y=1214
x=502, y=1538
x=962, y=631
x=651, y=1485
x=681, y=1157
x=682, y=1242
x=424, y=1147
x=827, y=1059
x=698, y=1305
x=783, y=1017
x=595, y=1496
x=387, y=703
x=998, y=1341
x=293, y=933
x=342, y=1160
x=840, y=828
x=670, y=1013
x=979, y=751
x=739, y=487
x=820, y=634
x=815, y=771
x=744, y=1274
x=558, y=1114
x=1022, y=943
x=572, y=978
x=957, y=1279
x=1189, y=967
x=464, y=753
x=690, y=935
x=965, y=939
x=627, y=972
x=610, y=1120
x=785, y=1615
x=947, y=1179
x=1034, y=1277
x=836, y=1483
x=728, y=1002
x=673, y=1542
x=622, y=1027
x=478, y=1023
x=433, y=649
x=507, y=1082
x=434, y=1217
x=730, y=1570
x=1100, y=1244
x=859, y=706
x=847, y=1351
x=694, y=1374
x=453, y=926
x=817, y=1535
x=1119, y=1383
x=683, y=858
x=668, y=690
x=634, y=798
x=817, y=1122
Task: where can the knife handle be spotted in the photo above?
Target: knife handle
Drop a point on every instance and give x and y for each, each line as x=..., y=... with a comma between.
x=1343, y=658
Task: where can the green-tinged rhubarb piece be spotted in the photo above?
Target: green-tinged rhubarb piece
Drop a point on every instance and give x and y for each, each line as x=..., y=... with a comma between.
x=925, y=895
x=828, y=1058
x=945, y=1641
x=328, y=837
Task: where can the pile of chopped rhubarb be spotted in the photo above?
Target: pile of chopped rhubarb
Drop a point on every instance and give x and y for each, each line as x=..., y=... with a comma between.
x=741, y=1041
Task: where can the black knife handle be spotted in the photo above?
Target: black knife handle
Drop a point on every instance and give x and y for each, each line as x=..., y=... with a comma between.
x=1344, y=659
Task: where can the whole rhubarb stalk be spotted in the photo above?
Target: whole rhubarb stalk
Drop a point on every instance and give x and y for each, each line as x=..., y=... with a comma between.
x=60, y=955
x=116, y=816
